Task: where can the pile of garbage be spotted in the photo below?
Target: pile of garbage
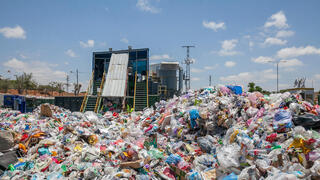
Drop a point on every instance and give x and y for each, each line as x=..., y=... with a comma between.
x=221, y=133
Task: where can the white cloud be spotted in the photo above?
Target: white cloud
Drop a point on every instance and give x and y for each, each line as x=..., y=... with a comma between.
x=103, y=44
x=290, y=63
x=160, y=57
x=53, y=65
x=211, y=67
x=196, y=70
x=213, y=25
x=262, y=59
x=317, y=76
x=245, y=77
x=229, y=64
x=297, y=51
x=23, y=56
x=70, y=53
x=274, y=41
x=145, y=5
x=283, y=34
x=251, y=44
x=89, y=43
x=42, y=71
x=277, y=20
x=284, y=86
x=229, y=44
x=124, y=40
x=227, y=48
x=66, y=63
x=289, y=69
x=195, y=79
x=16, y=32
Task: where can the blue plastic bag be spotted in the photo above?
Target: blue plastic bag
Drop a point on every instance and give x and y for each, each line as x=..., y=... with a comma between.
x=194, y=114
x=235, y=89
x=173, y=159
x=282, y=119
x=231, y=176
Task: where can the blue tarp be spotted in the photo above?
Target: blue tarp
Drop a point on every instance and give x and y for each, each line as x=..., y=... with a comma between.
x=236, y=89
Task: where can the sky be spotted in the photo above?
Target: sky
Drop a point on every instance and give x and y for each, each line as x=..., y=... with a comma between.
x=236, y=42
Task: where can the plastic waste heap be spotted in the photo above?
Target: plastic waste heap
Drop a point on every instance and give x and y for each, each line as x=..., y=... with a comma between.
x=221, y=133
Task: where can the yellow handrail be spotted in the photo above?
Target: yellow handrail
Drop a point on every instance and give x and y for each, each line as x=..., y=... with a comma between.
x=147, y=90
x=135, y=87
x=84, y=101
x=99, y=95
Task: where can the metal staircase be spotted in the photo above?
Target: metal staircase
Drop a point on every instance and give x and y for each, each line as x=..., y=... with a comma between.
x=90, y=99
x=98, y=99
x=96, y=85
x=91, y=103
x=141, y=95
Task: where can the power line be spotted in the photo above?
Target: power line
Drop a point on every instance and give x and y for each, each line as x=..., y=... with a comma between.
x=187, y=61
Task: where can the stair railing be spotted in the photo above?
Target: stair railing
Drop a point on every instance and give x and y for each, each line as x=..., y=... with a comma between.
x=125, y=94
x=98, y=102
x=135, y=88
x=85, y=98
x=147, y=90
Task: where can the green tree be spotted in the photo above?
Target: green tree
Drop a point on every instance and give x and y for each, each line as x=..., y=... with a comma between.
x=4, y=85
x=24, y=82
x=29, y=83
x=19, y=83
x=251, y=86
x=258, y=88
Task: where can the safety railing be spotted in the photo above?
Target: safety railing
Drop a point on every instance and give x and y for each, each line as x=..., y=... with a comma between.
x=135, y=88
x=98, y=102
x=147, y=90
x=85, y=98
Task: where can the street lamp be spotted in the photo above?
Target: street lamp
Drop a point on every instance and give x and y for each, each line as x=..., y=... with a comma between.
x=277, y=62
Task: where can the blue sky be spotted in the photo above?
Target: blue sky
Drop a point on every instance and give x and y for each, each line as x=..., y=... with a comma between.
x=236, y=41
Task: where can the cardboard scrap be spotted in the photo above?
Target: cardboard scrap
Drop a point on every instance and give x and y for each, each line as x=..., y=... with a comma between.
x=45, y=110
x=209, y=174
x=132, y=164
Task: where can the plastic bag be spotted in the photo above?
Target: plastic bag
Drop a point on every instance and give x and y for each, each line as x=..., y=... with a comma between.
x=308, y=120
x=205, y=144
x=228, y=156
x=231, y=176
x=282, y=119
x=194, y=115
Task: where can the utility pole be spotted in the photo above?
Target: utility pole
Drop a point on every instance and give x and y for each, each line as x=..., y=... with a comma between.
x=67, y=83
x=210, y=81
x=277, y=63
x=187, y=62
x=77, y=78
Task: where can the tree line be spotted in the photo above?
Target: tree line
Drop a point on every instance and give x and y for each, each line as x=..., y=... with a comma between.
x=252, y=87
x=24, y=82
